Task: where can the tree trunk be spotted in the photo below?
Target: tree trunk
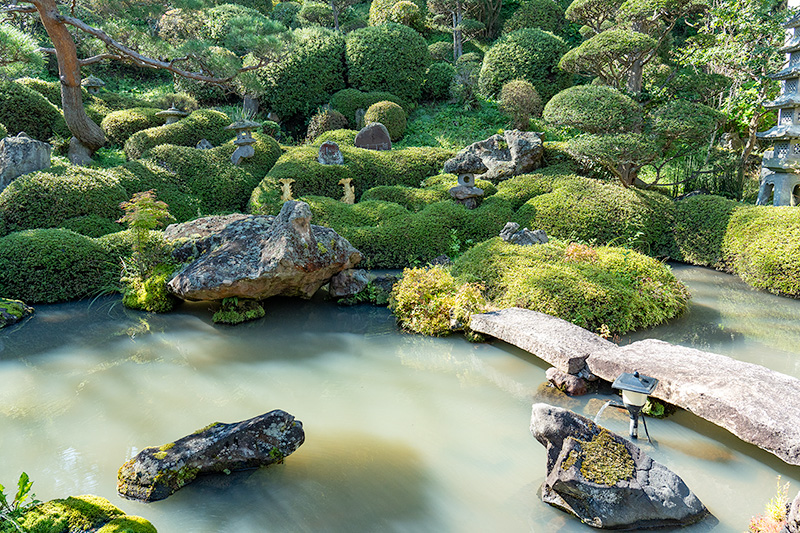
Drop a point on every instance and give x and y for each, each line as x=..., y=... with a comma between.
x=87, y=134
x=458, y=38
x=634, y=85
x=335, y=15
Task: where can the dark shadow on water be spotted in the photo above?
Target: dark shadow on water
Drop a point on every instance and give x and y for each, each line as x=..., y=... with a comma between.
x=352, y=482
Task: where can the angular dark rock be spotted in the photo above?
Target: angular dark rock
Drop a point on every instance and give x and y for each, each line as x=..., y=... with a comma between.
x=157, y=472
x=256, y=257
x=13, y=311
x=20, y=155
x=572, y=385
x=373, y=136
x=605, y=480
x=500, y=156
x=348, y=283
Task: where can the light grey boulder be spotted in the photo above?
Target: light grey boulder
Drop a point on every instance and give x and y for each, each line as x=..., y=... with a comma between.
x=758, y=405
x=605, y=480
x=500, y=156
x=523, y=237
x=793, y=516
x=21, y=155
x=256, y=257
x=157, y=472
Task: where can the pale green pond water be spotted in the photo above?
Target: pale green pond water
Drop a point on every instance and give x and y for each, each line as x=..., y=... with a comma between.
x=403, y=432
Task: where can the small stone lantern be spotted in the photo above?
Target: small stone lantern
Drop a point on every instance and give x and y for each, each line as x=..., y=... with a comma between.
x=635, y=390
x=93, y=84
x=244, y=139
x=171, y=115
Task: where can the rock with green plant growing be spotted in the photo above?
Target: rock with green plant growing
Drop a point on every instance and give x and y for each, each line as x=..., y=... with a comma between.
x=157, y=472
x=607, y=481
x=13, y=311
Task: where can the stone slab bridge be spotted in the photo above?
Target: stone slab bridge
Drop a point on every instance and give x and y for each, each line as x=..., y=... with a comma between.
x=758, y=405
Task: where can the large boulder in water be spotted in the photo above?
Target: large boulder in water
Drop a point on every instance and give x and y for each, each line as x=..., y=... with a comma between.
x=155, y=473
x=255, y=257
x=607, y=481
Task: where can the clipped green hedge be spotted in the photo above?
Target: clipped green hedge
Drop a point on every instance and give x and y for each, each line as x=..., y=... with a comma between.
x=591, y=211
x=762, y=246
x=23, y=109
x=52, y=265
x=701, y=223
x=348, y=101
x=612, y=287
x=367, y=169
x=529, y=54
x=411, y=198
x=49, y=89
x=390, y=57
x=120, y=125
x=308, y=75
x=202, y=124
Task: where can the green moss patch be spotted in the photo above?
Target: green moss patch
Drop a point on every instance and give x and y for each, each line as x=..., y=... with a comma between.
x=202, y=124
x=603, y=459
x=12, y=311
x=79, y=513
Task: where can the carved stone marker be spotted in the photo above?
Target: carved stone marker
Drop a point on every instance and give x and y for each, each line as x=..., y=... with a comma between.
x=20, y=155
x=286, y=189
x=349, y=191
x=374, y=136
x=329, y=154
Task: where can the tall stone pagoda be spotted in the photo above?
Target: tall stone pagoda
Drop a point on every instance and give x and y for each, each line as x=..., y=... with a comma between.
x=780, y=168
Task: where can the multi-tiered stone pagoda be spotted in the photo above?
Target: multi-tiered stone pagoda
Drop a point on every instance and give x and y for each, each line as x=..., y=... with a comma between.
x=780, y=168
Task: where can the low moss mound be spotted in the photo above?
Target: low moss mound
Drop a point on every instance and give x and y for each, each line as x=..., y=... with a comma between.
x=79, y=513
x=120, y=125
x=602, y=460
x=49, y=89
x=701, y=223
x=235, y=311
x=412, y=198
x=150, y=294
x=762, y=246
x=366, y=168
x=52, y=265
x=201, y=124
x=23, y=109
x=595, y=288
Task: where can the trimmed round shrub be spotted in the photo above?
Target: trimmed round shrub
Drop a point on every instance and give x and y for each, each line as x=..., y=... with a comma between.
x=306, y=78
x=120, y=125
x=325, y=120
x=545, y=15
x=341, y=137
x=315, y=13
x=23, y=109
x=700, y=225
x=380, y=11
x=390, y=115
x=438, y=79
x=182, y=101
x=202, y=124
x=593, y=109
x=348, y=101
x=54, y=265
x=286, y=14
x=528, y=54
x=441, y=51
x=177, y=25
x=520, y=102
x=390, y=57
x=469, y=58
x=407, y=13
x=49, y=89
x=606, y=287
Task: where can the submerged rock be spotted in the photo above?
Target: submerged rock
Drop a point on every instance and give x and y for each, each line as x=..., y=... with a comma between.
x=13, y=311
x=157, y=472
x=605, y=480
x=256, y=257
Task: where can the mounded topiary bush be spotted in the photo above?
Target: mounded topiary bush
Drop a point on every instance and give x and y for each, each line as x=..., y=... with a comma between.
x=390, y=57
x=762, y=246
x=53, y=265
x=412, y=198
x=520, y=101
x=367, y=169
x=593, y=109
x=529, y=54
x=438, y=79
x=325, y=120
x=120, y=125
x=382, y=11
x=49, y=89
x=202, y=124
x=441, y=51
x=307, y=76
x=390, y=115
x=286, y=14
x=23, y=109
x=590, y=287
x=348, y=101
x=341, y=137
x=700, y=225
x=545, y=15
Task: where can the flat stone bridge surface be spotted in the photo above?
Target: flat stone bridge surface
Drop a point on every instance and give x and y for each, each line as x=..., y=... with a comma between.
x=758, y=405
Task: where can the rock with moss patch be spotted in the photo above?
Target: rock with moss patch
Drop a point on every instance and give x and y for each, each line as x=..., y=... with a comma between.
x=500, y=156
x=12, y=311
x=80, y=513
x=605, y=480
x=157, y=472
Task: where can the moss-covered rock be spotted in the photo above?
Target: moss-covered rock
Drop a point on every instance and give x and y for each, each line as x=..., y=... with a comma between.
x=613, y=287
x=13, y=311
x=235, y=311
x=150, y=294
x=202, y=124
x=79, y=513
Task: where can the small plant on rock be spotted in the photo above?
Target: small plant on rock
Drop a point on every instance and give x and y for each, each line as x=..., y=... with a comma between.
x=16, y=508
x=774, y=517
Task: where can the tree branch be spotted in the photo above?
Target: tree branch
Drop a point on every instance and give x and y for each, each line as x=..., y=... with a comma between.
x=98, y=58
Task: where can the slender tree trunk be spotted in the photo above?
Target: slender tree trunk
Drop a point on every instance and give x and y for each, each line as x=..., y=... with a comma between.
x=458, y=38
x=335, y=16
x=634, y=84
x=88, y=136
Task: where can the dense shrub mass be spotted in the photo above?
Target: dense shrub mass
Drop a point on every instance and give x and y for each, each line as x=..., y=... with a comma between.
x=52, y=265
x=612, y=287
x=546, y=15
x=23, y=109
x=390, y=115
x=441, y=51
x=120, y=125
x=348, y=101
x=411, y=198
x=286, y=14
x=367, y=169
x=202, y=124
x=438, y=79
x=308, y=75
x=383, y=11
x=594, y=109
x=520, y=102
x=762, y=246
x=49, y=89
x=529, y=54
x=700, y=226
x=3, y=131
x=325, y=120
x=390, y=57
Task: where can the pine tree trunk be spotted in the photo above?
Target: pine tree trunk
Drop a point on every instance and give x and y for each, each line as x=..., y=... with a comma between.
x=335, y=16
x=458, y=38
x=87, y=134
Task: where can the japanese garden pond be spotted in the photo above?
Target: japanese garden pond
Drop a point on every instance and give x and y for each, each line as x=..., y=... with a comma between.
x=403, y=432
